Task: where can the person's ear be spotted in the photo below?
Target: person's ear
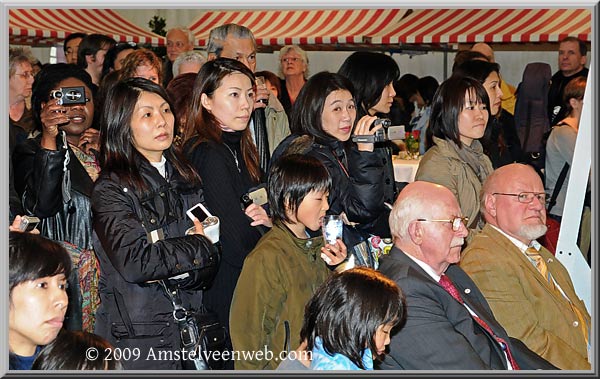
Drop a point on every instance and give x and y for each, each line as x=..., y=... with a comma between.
x=206, y=101
x=490, y=204
x=416, y=232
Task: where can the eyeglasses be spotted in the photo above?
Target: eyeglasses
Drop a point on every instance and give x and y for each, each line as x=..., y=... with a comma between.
x=456, y=222
x=293, y=59
x=527, y=197
x=26, y=75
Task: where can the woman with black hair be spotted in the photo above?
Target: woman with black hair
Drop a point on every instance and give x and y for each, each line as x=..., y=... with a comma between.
x=459, y=117
x=37, y=295
x=348, y=320
x=219, y=145
x=323, y=119
x=141, y=232
x=54, y=174
x=501, y=142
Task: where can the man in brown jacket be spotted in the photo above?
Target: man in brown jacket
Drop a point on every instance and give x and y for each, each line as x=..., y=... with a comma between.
x=529, y=291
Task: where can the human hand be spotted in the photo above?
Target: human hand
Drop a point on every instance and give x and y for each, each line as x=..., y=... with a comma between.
x=259, y=215
x=89, y=140
x=52, y=115
x=16, y=226
x=261, y=98
x=363, y=128
x=334, y=254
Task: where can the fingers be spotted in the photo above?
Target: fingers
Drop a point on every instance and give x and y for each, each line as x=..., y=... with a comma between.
x=363, y=126
x=199, y=227
x=334, y=254
x=258, y=215
x=53, y=115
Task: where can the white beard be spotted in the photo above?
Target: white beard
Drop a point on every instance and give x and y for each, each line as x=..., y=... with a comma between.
x=532, y=232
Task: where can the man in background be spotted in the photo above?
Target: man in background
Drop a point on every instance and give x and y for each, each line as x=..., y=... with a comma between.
x=71, y=46
x=179, y=40
x=91, y=53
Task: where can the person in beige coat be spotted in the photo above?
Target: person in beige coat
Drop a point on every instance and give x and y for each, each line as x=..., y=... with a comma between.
x=534, y=301
x=455, y=157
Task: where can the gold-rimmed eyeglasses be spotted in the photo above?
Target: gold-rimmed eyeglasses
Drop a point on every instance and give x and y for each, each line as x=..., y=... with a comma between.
x=456, y=222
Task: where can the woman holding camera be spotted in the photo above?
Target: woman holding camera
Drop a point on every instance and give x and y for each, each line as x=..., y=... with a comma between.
x=219, y=145
x=140, y=223
x=323, y=119
x=54, y=175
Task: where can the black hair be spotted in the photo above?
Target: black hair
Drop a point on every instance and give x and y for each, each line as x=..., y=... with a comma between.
x=90, y=46
x=69, y=352
x=47, y=80
x=448, y=102
x=202, y=123
x=427, y=86
x=32, y=257
x=117, y=152
x=308, y=108
x=463, y=56
x=369, y=73
x=290, y=179
x=111, y=55
x=347, y=309
x=70, y=37
x=477, y=69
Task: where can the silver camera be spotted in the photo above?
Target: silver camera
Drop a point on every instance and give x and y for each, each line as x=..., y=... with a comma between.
x=386, y=133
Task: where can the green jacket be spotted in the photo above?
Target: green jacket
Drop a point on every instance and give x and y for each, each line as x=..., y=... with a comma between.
x=278, y=278
x=442, y=165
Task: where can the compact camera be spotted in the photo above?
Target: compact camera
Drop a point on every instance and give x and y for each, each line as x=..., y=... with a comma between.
x=256, y=196
x=28, y=223
x=69, y=95
x=386, y=133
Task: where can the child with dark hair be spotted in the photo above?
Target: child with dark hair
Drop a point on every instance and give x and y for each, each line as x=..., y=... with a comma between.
x=38, y=271
x=284, y=269
x=71, y=351
x=348, y=320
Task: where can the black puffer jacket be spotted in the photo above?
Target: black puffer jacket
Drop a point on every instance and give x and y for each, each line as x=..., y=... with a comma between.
x=135, y=312
x=357, y=176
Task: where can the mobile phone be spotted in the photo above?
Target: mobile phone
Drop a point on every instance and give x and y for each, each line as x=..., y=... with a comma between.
x=198, y=212
x=28, y=223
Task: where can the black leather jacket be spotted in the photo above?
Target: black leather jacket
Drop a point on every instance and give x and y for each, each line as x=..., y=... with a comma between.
x=135, y=312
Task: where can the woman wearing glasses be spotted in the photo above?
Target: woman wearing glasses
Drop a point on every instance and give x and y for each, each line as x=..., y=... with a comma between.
x=294, y=69
x=459, y=115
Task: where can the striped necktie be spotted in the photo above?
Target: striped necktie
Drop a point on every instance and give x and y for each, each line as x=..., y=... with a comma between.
x=447, y=284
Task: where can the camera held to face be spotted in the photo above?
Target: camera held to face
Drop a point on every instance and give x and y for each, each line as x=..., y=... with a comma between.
x=386, y=133
x=69, y=95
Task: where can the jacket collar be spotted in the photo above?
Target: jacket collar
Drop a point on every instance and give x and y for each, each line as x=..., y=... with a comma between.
x=310, y=246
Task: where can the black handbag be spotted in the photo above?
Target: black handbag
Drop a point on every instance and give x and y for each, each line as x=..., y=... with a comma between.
x=202, y=335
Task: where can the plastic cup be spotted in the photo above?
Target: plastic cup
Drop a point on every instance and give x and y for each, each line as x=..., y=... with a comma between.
x=333, y=228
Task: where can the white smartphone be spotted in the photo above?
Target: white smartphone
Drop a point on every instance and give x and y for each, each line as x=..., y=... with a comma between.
x=198, y=212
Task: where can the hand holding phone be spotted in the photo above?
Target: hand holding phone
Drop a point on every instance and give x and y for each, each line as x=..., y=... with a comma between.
x=28, y=223
x=211, y=224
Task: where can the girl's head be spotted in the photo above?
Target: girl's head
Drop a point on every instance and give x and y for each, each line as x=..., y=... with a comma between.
x=60, y=75
x=352, y=311
x=69, y=351
x=137, y=120
x=223, y=101
x=459, y=112
x=142, y=63
x=426, y=87
x=372, y=75
x=488, y=74
x=38, y=271
x=298, y=189
x=324, y=108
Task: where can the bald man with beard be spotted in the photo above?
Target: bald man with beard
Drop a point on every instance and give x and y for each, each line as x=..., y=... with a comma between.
x=538, y=308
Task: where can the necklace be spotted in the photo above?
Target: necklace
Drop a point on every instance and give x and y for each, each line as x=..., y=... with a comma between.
x=234, y=154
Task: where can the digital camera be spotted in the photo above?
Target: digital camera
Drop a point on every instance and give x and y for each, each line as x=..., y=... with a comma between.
x=69, y=95
x=386, y=133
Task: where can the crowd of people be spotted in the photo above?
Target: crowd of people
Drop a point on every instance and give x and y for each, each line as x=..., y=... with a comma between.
x=181, y=202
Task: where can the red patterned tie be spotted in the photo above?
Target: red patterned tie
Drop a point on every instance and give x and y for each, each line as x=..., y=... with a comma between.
x=447, y=284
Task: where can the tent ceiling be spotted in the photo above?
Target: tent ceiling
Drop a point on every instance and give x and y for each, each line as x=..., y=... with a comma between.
x=48, y=26
x=437, y=26
x=302, y=27
x=395, y=28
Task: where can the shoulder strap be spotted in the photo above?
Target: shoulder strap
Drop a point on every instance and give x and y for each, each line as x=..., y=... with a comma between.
x=559, y=183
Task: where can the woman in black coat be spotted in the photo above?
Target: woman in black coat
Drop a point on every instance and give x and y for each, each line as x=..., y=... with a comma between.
x=140, y=223
x=54, y=175
x=323, y=118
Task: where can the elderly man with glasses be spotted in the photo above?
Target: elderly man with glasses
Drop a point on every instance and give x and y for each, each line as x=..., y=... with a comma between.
x=529, y=290
x=449, y=324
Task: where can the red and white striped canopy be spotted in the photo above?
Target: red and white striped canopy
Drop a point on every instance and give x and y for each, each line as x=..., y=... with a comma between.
x=436, y=26
x=301, y=27
x=48, y=26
